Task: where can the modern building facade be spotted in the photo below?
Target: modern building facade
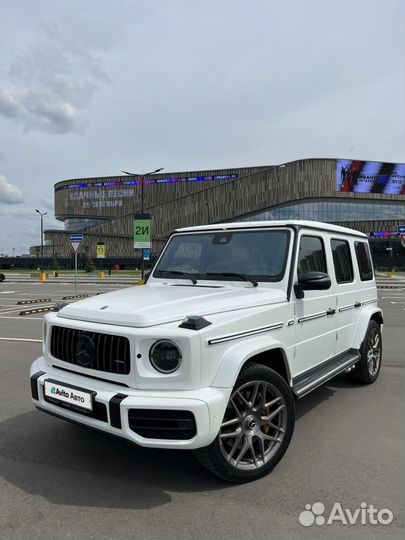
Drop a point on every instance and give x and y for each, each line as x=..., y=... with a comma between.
x=367, y=196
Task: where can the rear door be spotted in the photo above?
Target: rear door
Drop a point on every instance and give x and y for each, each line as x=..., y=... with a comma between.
x=347, y=286
x=314, y=314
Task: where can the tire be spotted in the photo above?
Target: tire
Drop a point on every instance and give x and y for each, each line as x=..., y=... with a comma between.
x=256, y=430
x=367, y=369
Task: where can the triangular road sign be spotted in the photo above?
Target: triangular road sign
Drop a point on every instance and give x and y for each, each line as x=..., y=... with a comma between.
x=75, y=246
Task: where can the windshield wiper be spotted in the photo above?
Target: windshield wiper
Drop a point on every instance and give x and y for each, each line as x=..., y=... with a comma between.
x=234, y=274
x=180, y=273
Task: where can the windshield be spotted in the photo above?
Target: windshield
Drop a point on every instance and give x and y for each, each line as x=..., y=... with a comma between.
x=260, y=255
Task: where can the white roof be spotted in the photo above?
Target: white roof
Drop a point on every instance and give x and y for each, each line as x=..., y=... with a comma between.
x=274, y=223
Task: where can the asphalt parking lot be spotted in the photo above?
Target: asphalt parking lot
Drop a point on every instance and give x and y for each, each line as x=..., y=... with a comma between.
x=62, y=481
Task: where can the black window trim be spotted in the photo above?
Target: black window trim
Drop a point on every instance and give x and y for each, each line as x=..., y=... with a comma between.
x=368, y=251
x=323, y=246
x=351, y=260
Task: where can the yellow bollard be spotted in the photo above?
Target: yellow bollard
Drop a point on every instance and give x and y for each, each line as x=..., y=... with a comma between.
x=389, y=275
x=101, y=275
x=141, y=282
x=42, y=276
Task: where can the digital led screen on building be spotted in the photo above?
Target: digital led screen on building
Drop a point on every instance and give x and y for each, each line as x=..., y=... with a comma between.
x=370, y=177
x=120, y=183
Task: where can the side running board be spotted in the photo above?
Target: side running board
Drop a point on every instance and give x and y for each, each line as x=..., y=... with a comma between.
x=314, y=377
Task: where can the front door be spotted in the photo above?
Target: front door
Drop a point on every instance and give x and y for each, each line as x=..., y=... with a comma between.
x=314, y=314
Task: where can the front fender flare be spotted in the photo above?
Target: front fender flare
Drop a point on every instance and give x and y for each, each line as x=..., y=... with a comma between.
x=239, y=353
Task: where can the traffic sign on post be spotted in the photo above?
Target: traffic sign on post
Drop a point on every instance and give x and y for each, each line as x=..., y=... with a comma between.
x=75, y=246
x=76, y=237
x=142, y=231
x=75, y=240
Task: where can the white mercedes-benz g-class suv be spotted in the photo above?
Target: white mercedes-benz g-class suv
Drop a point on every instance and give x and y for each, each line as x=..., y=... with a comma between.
x=235, y=323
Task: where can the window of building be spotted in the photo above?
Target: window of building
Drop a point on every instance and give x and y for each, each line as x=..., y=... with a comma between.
x=342, y=260
x=333, y=211
x=311, y=255
x=364, y=261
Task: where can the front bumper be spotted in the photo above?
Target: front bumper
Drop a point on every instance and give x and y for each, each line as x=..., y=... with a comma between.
x=113, y=403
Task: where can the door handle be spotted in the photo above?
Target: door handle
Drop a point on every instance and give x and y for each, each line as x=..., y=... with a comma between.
x=331, y=311
x=357, y=304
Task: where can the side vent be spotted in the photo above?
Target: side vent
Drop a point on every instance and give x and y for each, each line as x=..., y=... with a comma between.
x=194, y=322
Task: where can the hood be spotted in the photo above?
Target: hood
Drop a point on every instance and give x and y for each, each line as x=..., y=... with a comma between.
x=158, y=304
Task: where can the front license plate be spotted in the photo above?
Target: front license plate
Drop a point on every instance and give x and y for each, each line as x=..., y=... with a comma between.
x=71, y=395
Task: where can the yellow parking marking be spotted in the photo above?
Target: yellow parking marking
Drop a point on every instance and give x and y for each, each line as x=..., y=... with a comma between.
x=39, y=310
x=37, y=301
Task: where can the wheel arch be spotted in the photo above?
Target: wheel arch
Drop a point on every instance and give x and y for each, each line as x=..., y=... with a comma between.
x=377, y=317
x=370, y=314
x=270, y=353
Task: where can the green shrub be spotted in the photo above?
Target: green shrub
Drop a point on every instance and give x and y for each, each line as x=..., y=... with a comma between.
x=90, y=266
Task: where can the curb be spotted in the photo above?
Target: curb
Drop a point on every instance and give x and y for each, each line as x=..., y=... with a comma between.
x=39, y=310
x=38, y=301
x=401, y=287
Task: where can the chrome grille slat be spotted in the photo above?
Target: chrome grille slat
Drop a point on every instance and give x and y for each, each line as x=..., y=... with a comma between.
x=98, y=357
x=112, y=353
x=104, y=353
x=72, y=351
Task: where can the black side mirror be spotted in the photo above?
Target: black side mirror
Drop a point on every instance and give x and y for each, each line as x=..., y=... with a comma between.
x=311, y=281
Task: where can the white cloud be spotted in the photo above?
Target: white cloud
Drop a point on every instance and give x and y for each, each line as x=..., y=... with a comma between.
x=51, y=83
x=9, y=194
x=48, y=203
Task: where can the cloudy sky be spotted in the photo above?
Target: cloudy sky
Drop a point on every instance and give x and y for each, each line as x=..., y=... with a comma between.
x=90, y=87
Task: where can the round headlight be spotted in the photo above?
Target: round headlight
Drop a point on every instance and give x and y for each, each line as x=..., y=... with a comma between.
x=165, y=356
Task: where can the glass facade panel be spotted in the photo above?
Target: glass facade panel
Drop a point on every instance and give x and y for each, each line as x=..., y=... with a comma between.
x=81, y=224
x=333, y=211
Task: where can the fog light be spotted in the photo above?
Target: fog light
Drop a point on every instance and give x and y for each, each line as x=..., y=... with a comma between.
x=165, y=356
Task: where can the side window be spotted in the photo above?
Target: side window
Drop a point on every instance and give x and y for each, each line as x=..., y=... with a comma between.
x=342, y=260
x=364, y=261
x=311, y=255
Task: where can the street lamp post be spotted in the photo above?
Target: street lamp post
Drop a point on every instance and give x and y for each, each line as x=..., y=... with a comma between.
x=42, y=214
x=142, y=180
x=209, y=207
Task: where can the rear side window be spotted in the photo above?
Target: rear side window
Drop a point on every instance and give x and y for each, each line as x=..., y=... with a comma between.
x=364, y=261
x=311, y=255
x=342, y=260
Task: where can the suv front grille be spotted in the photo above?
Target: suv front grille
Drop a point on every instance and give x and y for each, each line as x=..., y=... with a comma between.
x=162, y=424
x=91, y=350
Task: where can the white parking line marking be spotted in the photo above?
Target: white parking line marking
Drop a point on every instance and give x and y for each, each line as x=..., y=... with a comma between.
x=7, y=292
x=23, y=318
x=20, y=339
x=397, y=302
